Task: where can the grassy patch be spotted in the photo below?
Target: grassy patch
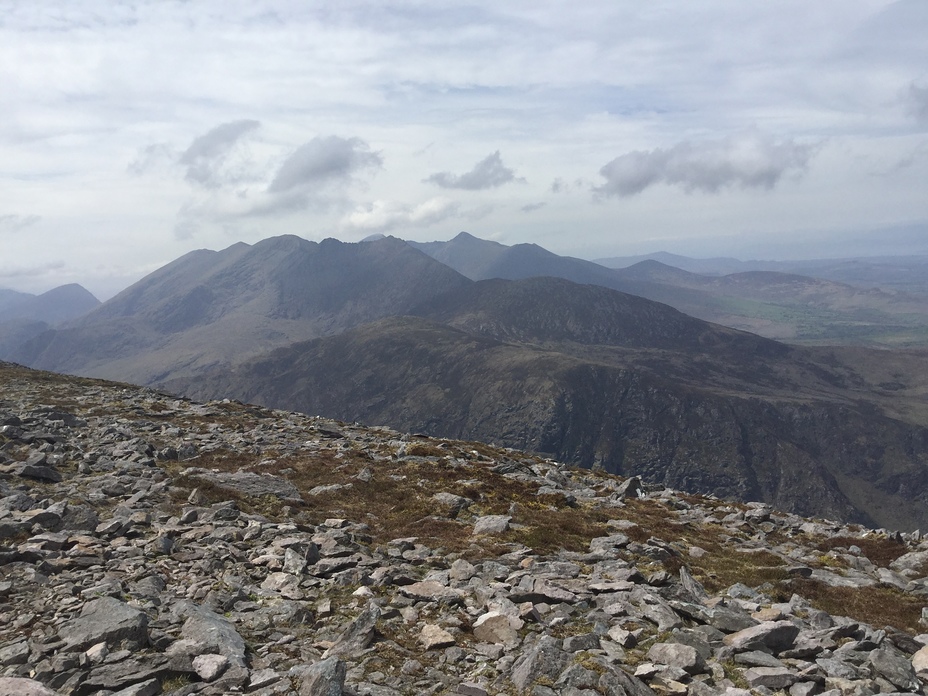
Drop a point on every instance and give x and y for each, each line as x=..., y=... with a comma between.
x=878, y=606
x=880, y=550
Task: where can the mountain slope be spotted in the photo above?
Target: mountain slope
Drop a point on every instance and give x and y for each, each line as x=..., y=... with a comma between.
x=215, y=308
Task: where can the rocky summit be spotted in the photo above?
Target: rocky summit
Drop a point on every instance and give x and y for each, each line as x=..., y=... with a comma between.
x=151, y=544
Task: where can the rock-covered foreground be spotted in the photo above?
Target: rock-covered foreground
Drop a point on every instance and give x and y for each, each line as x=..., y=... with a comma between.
x=154, y=545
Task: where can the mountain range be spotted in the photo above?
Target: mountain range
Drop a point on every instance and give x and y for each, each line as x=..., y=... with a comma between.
x=774, y=299
x=381, y=332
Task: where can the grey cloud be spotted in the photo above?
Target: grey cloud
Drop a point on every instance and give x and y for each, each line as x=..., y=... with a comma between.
x=531, y=207
x=750, y=161
x=205, y=156
x=917, y=102
x=489, y=172
x=558, y=185
x=323, y=161
x=151, y=157
x=15, y=223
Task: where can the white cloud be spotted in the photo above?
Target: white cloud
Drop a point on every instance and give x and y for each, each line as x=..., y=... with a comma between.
x=382, y=216
x=323, y=161
x=749, y=161
x=490, y=172
x=206, y=158
x=17, y=223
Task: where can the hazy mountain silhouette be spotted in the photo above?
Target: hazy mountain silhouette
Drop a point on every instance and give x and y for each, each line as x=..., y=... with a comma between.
x=217, y=308
x=787, y=306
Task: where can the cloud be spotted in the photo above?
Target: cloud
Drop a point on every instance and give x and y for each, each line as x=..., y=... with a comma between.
x=381, y=216
x=531, y=207
x=15, y=223
x=40, y=271
x=151, y=157
x=322, y=161
x=917, y=102
x=747, y=161
x=206, y=156
x=489, y=172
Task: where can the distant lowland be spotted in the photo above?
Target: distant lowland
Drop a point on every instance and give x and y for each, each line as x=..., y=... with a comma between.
x=809, y=392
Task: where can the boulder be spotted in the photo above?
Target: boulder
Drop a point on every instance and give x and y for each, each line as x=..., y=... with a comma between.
x=677, y=655
x=492, y=524
x=106, y=620
x=496, y=627
x=775, y=636
x=324, y=678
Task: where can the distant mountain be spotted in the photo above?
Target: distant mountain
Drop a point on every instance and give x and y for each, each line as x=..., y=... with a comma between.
x=479, y=259
x=24, y=316
x=710, y=266
x=786, y=306
x=901, y=273
x=12, y=297
x=217, y=308
x=56, y=306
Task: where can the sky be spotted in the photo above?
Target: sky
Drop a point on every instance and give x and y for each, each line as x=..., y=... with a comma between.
x=134, y=132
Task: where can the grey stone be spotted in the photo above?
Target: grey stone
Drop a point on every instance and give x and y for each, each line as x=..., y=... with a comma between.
x=630, y=488
x=261, y=678
x=250, y=484
x=15, y=654
x=42, y=473
x=775, y=636
x=357, y=635
x=895, y=667
x=106, y=620
x=431, y=591
x=150, y=687
x=756, y=658
x=433, y=637
x=18, y=686
x=128, y=672
x=677, y=655
x=543, y=659
x=324, y=678
x=210, y=666
x=492, y=524
x=206, y=627
x=496, y=627
x=774, y=678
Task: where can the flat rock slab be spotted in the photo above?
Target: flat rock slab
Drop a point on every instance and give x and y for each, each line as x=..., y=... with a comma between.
x=15, y=686
x=776, y=636
x=775, y=678
x=250, y=484
x=106, y=620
